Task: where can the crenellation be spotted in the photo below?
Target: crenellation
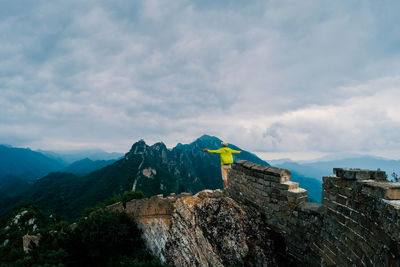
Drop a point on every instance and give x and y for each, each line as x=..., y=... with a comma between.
x=358, y=174
x=259, y=168
x=357, y=220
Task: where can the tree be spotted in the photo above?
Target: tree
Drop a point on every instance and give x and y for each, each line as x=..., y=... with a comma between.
x=395, y=177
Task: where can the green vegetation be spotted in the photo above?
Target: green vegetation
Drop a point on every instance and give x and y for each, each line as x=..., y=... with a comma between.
x=103, y=238
x=124, y=198
x=153, y=169
x=129, y=195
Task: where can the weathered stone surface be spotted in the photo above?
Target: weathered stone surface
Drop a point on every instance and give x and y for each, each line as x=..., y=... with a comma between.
x=247, y=164
x=207, y=229
x=383, y=189
x=263, y=218
x=288, y=185
x=30, y=241
x=358, y=174
x=276, y=171
x=259, y=168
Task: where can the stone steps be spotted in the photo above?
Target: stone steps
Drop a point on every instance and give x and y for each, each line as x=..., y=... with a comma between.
x=297, y=192
x=288, y=185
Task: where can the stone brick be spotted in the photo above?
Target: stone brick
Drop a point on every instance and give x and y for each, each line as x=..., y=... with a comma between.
x=247, y=164
x=273, y=171
x=264, y=182
x=241, y=161
x=259, y=168
x=385, y=190
x=297, y=200
x=341, y=199
x=275, y=179
x=299, y=192
x=258, y=186
x=289, y=185
x=272, y=206
x=279, y=197
x=358, y=174
x=348, y=192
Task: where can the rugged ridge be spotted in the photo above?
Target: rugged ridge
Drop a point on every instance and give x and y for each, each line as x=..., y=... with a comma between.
x=151, y=169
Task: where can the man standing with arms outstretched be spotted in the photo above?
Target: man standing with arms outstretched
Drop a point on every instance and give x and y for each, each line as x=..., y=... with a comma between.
x=225, y=154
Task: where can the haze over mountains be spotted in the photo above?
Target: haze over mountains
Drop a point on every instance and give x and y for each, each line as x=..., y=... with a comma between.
x=71, y=156
x=311, y=173
x=20, y=168
x=323, y=167
x=86, y=165
x=68, y=189
x=152, y=169
x=26, y=163
x=31, y=165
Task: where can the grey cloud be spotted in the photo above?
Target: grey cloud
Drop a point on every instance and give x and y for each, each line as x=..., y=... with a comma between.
x=100, y=74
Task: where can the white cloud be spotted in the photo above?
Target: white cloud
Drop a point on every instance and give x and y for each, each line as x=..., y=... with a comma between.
x=360, y=123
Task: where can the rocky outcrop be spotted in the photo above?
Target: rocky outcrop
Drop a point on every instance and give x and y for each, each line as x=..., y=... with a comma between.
x=30, y=241
x=207, y=229
x=263, y=219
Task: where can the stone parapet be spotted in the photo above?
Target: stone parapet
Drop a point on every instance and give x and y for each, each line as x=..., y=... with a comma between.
x=267, y=187
x=382, y=189
x=358, y=223
x=283, y=202
x=361, y=219
x=358, y=174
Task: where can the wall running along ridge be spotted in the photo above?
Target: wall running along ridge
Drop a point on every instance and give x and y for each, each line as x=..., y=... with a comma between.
x=358, y=222
x=265, y=216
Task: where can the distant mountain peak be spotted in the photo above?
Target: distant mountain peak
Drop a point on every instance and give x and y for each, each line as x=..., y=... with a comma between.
x=206, y=137
x=139, y=147
x=85, y=160
x=159, y=146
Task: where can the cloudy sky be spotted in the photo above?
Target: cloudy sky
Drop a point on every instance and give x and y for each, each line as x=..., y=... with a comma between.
x=288, y=78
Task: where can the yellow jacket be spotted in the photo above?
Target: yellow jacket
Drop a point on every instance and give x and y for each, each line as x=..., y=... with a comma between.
x=225, y=154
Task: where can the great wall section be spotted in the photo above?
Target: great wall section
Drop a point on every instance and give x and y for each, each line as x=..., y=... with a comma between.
x=264, y=219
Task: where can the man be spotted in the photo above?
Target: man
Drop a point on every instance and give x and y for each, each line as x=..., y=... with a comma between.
x=225, y=154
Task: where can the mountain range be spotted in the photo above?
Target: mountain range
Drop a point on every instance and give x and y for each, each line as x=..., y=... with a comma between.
x=20, y=168
x=70, y=156
x=86, y=165
x=151, y=169
x=68, y=189
x=26, y=163
x=30, y=165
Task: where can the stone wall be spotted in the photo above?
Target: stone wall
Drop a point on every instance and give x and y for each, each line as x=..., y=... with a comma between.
x=362, y=218
x=357, y=223
x=285, y=205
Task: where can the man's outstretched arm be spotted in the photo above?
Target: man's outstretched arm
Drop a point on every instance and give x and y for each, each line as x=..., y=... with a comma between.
x=235, y=151
x=212, y=151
